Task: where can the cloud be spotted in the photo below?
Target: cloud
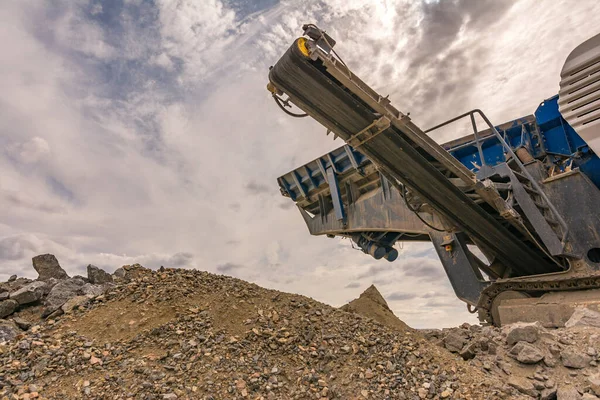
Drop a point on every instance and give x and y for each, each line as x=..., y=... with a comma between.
x=375, y=270
x=228, y=267
x=179, y=260
x=141, y=131
x=258, y=188
x=31, y=151
x=399, y=296
x=432, y=294
x=287, y=205
x=352, y=285
x=441, y=304
x=16, y=248
x=424, y=269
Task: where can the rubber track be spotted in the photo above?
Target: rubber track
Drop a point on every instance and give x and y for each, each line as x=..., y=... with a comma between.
x=551, y=284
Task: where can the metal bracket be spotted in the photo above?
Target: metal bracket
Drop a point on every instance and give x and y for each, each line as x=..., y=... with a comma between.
x=381, y=124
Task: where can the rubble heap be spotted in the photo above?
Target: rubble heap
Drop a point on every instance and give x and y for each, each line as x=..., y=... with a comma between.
x=187, y=334
x=23, y=301
x=541, y=363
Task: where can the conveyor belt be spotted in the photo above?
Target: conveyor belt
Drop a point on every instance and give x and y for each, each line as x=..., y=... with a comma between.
x=319, y=94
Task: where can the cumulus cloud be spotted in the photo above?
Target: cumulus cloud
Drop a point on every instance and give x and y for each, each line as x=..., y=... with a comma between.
x=142, y=132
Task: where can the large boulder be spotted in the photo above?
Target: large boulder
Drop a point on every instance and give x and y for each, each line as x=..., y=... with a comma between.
x=573, y=358
x=68, y=289
x=94, y=290
x=526, y=353
x=522, y=332
x=4, y=294
x=98, y=276
x=61, y=292
x=7, y=307
x=584, y=317
x=29, y=293
x=455, y=340
x=74, y=302
x=47, y=267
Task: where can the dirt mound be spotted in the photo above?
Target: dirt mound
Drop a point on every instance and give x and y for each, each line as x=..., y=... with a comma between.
x=186, y=334
x=371, y=304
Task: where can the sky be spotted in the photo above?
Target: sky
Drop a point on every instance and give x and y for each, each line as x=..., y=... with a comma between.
x=141, y=131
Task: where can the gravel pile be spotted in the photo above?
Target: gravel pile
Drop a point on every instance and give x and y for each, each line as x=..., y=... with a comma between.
x=541, y=363
x=187, y=334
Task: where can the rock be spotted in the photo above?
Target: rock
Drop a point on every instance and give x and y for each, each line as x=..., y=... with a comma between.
x=47, y=267
x=95, y=360
x=588, y=396
x=526, y=353
x=74, y=302
x=93, y=290
x=50, y=283
x=584, y=317
x=120, y=273
x=594, y=383
x=522, y=332
x=22, y=323
x=8, y=307
x=12, y=278
x=469, y=351
x=62, y=292
x=4, y=295
x=8, y=331
x=573, y=358
x=455, y=341
x=548, y=394
x=567, y=392
x=98, y=276
x=29, y=293
x=523, y=385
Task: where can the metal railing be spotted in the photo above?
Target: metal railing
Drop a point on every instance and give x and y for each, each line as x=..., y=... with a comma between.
x=511, y=153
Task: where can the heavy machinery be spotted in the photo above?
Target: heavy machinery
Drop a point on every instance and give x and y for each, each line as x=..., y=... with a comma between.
x=512, y=210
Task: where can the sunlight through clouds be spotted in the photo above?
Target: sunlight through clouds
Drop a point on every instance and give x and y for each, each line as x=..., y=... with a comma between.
x=141, y=131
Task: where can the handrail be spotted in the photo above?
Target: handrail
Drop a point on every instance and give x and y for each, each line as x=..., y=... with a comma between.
x=509, y=150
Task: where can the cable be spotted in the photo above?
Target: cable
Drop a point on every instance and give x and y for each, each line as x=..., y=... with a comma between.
x=402, y=189
x=417, y=213
x=279, y=102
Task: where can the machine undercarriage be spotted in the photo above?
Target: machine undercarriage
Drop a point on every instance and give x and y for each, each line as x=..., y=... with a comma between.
x=524, y=193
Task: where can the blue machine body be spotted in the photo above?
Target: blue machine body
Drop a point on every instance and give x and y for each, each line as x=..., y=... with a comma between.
x=547, y=135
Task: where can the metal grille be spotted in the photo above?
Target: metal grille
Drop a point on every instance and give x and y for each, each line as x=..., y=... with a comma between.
x=579, y=95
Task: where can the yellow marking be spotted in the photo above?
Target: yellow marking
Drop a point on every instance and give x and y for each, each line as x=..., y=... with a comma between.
x=301, y=42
